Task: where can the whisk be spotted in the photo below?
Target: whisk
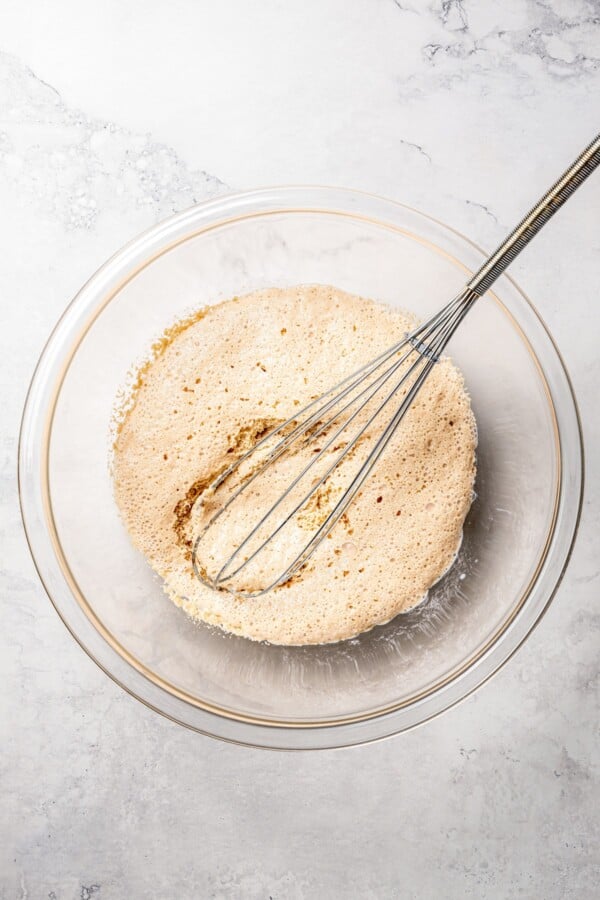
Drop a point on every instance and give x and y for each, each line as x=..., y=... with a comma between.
x=337, y=423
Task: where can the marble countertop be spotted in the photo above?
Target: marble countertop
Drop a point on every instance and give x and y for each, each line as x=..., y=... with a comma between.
x=113, y=116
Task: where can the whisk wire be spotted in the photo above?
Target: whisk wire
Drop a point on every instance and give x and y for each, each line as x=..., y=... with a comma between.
x=427, y=342
x=451, y=323
x=303, y=426
x=416, y=339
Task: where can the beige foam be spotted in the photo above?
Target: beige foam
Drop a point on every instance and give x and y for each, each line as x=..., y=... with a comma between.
x=246, y=365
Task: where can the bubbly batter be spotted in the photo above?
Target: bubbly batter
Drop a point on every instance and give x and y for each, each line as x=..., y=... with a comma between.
x=218, y=381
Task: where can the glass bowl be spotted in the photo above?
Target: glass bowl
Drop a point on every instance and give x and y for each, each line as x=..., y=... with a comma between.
x=517, y=537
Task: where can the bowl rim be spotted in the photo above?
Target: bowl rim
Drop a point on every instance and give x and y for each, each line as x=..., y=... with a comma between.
x=212, y=214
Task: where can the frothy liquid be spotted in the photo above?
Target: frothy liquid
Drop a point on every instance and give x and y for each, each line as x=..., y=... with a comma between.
x=218, y=384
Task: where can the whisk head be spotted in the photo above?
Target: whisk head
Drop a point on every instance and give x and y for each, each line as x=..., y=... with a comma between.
x=251, y=522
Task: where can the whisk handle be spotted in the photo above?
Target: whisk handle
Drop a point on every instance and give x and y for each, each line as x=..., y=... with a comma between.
x=528, y=227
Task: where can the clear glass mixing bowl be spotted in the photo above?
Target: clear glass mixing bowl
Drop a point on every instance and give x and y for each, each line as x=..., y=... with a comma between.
x=517, y=537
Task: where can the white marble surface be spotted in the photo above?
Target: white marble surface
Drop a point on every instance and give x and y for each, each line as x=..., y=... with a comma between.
x=113, y=115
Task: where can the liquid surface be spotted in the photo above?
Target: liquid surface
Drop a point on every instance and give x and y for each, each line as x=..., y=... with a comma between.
x=217, y=383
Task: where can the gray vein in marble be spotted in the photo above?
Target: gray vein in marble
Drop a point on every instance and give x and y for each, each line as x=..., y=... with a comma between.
x=88, y=891
x=489, y=213
x=585, y=579
x=453, y=15
x=84, y=164
x=401, y=6
x=566, y=45
x=416, y=147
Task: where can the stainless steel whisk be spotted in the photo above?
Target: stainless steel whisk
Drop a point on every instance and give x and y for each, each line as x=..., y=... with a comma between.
x=402, y=369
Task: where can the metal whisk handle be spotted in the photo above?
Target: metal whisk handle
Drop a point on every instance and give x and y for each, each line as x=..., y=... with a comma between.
x=528, y=227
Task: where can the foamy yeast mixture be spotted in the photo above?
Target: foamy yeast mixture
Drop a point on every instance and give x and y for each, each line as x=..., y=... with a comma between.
x=219, y=380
